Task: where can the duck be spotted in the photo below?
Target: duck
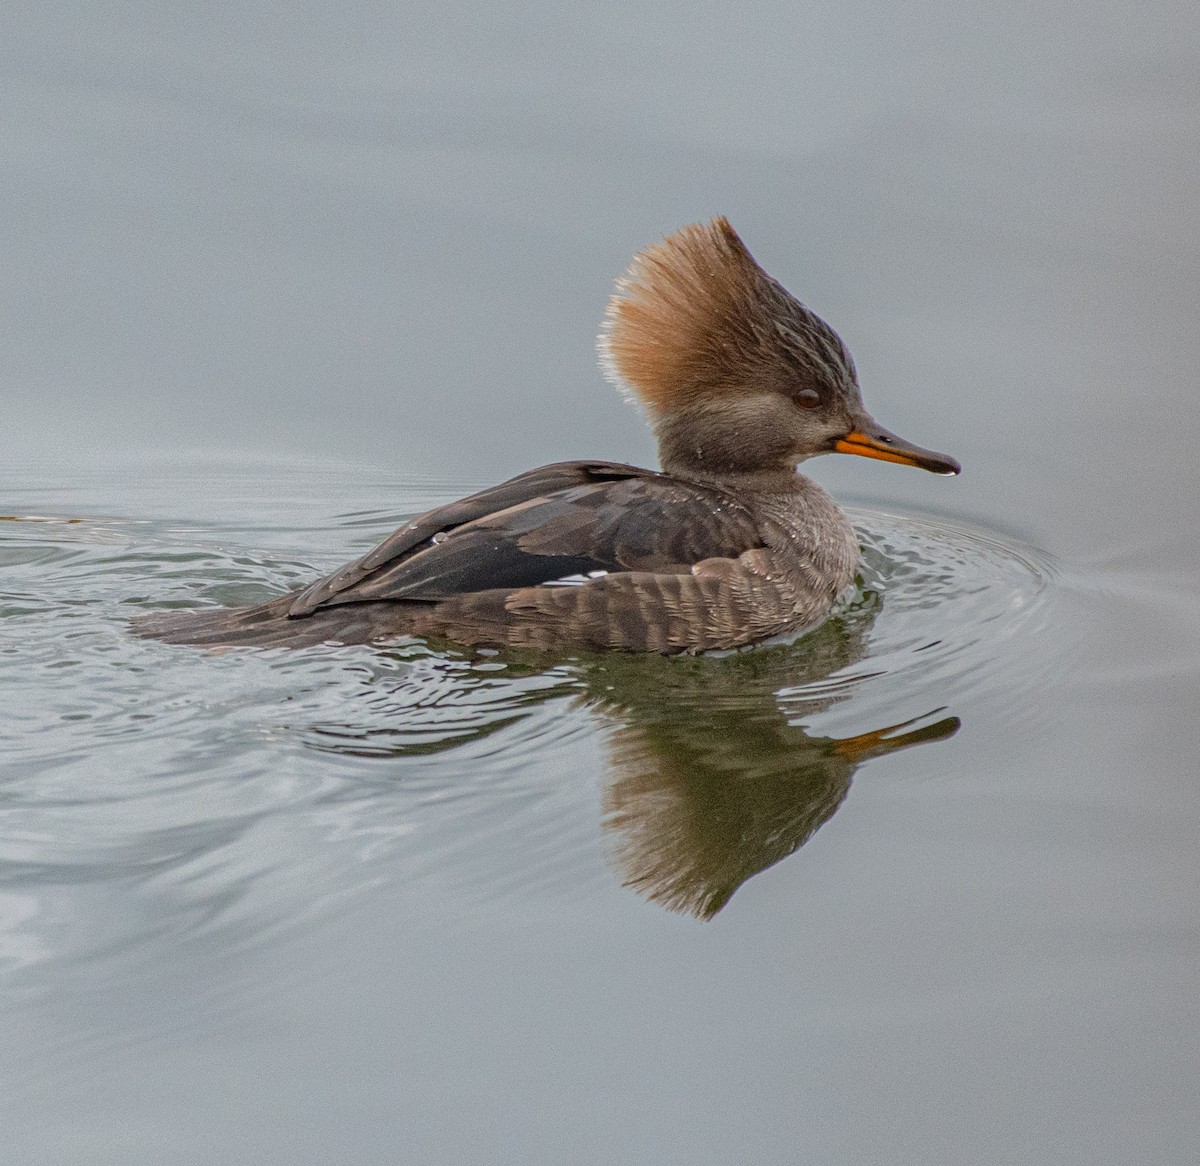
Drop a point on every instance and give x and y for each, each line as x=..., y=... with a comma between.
x=725, y=546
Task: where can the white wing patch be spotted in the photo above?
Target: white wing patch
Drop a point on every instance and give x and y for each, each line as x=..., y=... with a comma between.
x=575, y=580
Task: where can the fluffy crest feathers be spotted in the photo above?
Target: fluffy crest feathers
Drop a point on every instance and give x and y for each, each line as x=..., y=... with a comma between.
x=695, y=316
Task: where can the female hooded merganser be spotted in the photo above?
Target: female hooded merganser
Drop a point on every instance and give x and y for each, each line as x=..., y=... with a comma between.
x=727, y=545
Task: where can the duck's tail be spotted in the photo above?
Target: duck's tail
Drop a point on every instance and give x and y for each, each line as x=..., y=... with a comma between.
x=265, y=626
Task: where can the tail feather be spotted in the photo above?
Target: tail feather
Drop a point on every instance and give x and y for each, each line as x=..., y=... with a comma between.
x=268, y=625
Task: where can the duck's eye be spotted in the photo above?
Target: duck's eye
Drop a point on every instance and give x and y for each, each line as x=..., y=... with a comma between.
x=807, y=398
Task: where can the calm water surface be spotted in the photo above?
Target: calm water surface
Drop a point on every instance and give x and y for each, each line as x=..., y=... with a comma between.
x=919, y=888
x=384, y=886
x=132, y=756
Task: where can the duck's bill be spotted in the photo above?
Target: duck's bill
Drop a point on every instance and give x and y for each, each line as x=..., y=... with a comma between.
x=877, y=442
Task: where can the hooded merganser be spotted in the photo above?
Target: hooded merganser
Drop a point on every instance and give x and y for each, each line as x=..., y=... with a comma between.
x=726, y=546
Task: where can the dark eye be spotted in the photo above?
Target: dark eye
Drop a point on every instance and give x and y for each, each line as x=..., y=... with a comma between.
x=807, y=398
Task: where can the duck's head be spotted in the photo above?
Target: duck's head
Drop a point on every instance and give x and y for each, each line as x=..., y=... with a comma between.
x=736, y=374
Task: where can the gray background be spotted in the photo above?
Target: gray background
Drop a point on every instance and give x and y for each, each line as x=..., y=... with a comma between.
x=377, y=240
x=385, y=233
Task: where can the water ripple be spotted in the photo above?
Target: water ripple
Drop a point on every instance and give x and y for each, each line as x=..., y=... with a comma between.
x=232, y=793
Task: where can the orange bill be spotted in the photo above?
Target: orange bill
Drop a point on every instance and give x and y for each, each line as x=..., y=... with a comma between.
x=874, y=441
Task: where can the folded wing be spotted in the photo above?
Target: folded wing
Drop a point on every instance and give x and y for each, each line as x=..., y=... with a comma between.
x=573, y=520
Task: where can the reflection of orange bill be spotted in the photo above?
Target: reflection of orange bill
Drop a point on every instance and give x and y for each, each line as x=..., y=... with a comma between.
x=881, y=741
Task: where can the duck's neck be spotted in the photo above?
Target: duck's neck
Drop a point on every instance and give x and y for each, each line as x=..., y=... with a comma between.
x=739, y=444
x=775, y=481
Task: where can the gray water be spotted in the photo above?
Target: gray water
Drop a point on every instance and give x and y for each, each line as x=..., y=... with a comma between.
x=919, y=887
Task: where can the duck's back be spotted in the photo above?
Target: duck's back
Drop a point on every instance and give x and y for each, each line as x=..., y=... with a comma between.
x=588, y=554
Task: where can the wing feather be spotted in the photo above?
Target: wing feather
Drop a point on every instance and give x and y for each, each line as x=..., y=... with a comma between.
x=543, y=527
x=419, y=532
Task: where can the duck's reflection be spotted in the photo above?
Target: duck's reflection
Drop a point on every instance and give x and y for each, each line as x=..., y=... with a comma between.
x=714, y=774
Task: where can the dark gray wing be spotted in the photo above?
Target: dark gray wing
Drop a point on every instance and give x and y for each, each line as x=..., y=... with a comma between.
x=418, y=533
x=617, y=520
